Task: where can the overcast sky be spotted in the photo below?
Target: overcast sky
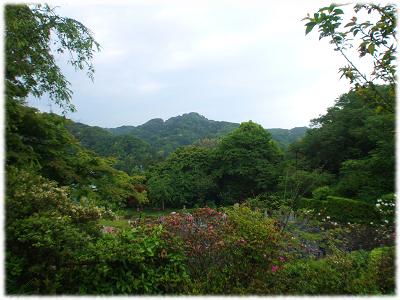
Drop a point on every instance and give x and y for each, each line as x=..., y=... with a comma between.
x=227, y=60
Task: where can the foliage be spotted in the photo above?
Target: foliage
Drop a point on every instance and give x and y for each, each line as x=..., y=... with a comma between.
x=355, y=143
x=31, y=65
x=45, y=231
x=183, y=179
x=246, y=163
x=135, y=261
x=164, y=137
x=265, y=202
x=358, y=272
x=227, y=252
x=375, y=40
x=342, y=210
x=321, y=193
x=131, y=153
x=54, y=247
x=284, y=137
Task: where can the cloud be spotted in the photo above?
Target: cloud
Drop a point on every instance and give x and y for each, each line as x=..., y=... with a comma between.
x=229, y=60
x=149, y=87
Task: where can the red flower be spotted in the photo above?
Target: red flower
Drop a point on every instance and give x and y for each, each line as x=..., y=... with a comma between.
x=274, y=268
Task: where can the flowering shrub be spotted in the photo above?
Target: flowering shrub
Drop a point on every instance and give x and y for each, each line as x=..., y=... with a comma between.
x=228, y=251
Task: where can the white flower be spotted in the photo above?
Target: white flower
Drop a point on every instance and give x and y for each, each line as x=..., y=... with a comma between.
x=328, y=217
x=371, y=223
x=378, y=205
x=386, y=221
x=379, y=200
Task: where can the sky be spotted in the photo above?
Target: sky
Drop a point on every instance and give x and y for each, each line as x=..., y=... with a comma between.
x=227, y=60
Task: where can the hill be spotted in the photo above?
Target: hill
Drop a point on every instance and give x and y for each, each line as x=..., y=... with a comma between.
x=136, y=147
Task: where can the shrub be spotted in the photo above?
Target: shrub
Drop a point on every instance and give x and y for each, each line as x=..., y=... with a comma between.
x=138, y=261
x=45, y=232
x=359, y=272
x=227, y=252
x=342, y=210
x=321, y=193
x=265, y=202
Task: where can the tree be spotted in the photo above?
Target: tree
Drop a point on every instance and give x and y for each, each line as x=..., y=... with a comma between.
x=355, y=143
x=375, y=40
x=246, y=163
x=183, y=179
x=33, y=34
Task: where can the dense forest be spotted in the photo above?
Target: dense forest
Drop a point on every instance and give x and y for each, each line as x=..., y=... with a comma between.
x=191, y=206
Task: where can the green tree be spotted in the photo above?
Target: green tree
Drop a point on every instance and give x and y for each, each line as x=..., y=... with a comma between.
x=355, y=143
x=246, y=163
x=33, y=34
x=183, y=179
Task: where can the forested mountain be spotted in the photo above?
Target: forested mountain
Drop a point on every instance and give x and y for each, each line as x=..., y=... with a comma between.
x=166, y=136
x=188, y=128
x=137, y=147
x=131, y=153
x=287, y=136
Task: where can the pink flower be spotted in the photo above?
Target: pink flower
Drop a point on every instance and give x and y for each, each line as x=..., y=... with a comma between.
x=274, y=268
x=281, y=258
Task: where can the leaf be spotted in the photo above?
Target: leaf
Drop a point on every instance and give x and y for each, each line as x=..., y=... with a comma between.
x=350, y=24
x=371, y=48
x=310, y=26
x=338, y=11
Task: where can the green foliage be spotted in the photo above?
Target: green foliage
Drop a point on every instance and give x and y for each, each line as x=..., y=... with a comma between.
x=354, y=142
x=375, y=40
x=54, y=247
x=358, y=272
x=45, y=231
x=322, y=193
x=131, y=153
x=31, y=65
x=265, y=202
x=166, y=136
x=342, y=210
x=137, y=261
x=285, y=137
x=227, y=252
x=183, y=179
x=246, y=163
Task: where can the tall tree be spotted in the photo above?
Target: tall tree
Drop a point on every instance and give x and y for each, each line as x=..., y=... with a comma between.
x=246, y=163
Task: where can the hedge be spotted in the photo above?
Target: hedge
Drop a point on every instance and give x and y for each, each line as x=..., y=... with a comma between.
x=342, y=210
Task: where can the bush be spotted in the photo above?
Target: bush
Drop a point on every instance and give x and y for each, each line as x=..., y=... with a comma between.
x=321, y=193
x=227, y=252
x=359, y=272
x=138, y=261
x=342, y=210
x=265, y=202
x=45, y=232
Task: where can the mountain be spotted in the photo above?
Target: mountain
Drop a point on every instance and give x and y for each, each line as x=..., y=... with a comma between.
x=166, y=136
x=137, y=147
x=287, y=136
